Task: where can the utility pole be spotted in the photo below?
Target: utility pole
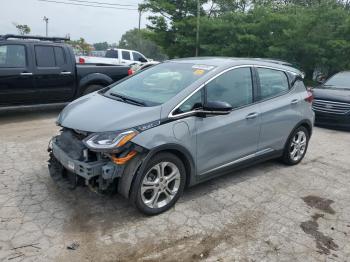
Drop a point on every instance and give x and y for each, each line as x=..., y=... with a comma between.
x=139, y=32
x=197, y=33
x=46, y=19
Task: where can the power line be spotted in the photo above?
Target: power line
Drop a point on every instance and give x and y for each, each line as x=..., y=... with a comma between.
x=101, y=3
x=98, y=6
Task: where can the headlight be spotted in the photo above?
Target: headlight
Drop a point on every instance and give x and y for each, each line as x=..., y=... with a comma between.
x=109, y=140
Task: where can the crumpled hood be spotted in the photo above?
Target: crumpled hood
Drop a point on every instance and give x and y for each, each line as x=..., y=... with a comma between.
x=332, y=94
x=97, y=113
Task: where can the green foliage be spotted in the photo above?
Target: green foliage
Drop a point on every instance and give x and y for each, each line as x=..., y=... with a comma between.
x=22, y=29
x=101, y=46
x=81, y=45
x=309, y=33
x=140, y=41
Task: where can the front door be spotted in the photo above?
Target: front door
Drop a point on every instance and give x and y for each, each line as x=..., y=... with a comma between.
x=16, y=76
x=228, y=139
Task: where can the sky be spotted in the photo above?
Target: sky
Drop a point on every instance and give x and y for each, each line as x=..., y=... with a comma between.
x=93, y=24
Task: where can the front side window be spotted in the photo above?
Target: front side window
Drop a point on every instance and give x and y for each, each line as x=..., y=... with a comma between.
x=272, y=82
x=192, y=103
x=12, y=56
x=45, y=56
x=234, y=87
x=139, y=57
x=159, y=83
x=126, y=55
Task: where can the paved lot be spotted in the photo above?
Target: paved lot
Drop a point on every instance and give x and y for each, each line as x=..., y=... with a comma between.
x=268, y=212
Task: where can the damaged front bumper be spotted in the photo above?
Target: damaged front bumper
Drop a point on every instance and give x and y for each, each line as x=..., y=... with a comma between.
x=86, y=170
x=69, y=158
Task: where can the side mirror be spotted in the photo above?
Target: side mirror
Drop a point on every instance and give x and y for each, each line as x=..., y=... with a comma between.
x=142, y=60
x=217, y=108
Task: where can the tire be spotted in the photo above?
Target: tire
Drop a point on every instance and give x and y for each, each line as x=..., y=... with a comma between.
x=154, y=191
x=91, y=88
x=296, y=146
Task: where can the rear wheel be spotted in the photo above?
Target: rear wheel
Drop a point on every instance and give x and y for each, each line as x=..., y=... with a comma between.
x=296, y=146
x=160, y=186
x=92, y=88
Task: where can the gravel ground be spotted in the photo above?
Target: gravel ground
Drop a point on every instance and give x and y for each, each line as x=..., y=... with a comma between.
x=268, y=212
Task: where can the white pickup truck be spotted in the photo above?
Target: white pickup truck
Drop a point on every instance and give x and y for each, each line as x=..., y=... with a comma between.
x=115, y=57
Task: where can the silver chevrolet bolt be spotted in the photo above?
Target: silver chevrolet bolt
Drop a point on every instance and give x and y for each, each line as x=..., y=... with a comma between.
x=180, y=123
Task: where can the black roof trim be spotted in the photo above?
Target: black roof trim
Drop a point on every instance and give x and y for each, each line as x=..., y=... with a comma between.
x=41, y=38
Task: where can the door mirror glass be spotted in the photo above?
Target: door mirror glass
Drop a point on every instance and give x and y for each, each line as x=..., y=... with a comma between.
x=218, y=107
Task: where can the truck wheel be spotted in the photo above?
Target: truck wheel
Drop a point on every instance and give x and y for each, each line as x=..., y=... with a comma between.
x=160, y=186
x=92, y=88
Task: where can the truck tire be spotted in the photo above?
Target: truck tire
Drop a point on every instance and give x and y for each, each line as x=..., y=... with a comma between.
x=91, y=88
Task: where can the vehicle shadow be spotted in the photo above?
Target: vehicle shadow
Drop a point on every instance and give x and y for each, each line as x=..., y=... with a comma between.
x=20, y=114
x=88, y=212
x=333, y=128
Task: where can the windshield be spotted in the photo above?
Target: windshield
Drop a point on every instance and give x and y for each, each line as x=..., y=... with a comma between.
x=159, y=83
x=340, y=80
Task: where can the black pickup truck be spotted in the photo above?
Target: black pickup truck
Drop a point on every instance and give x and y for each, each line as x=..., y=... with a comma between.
x=42, y=70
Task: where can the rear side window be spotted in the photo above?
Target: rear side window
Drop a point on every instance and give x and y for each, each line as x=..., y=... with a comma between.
x=111, y=54
x=60, y=56
x=126, y=55
x=234, y=87
x=272, y=82
x=12, y=56
x=45, y=56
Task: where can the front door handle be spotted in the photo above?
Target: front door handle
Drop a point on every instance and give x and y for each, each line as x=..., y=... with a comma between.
x=252, y=115
x=26, y=74
x=294, y=101
x=66, y=73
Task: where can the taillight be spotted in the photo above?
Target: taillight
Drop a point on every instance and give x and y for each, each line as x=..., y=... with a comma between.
x=130, y=72
x=310, y=96
x=81, y=60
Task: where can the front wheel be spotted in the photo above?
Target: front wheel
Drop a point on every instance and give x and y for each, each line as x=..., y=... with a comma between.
x=160, y=186
x=296, y=146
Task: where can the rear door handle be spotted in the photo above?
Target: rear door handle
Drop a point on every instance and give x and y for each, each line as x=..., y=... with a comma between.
x=66, y=73
x=26, y=74
x=252, y=115
x=294, y=101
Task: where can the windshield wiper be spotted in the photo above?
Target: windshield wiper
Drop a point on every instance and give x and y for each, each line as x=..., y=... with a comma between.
x=128, y=99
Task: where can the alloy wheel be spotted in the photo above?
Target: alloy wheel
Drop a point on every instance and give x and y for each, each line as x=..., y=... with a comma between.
x=298, y=146
x=160, y=185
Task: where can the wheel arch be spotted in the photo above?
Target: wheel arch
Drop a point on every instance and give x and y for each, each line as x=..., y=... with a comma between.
x=93, y=79
x=305, y=123
x=128, y=179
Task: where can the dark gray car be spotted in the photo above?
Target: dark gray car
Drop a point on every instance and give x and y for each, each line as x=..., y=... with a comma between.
x=179, y=123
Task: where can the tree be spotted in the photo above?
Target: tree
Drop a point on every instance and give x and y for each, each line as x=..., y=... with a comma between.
x=101, y=46
x=308, y=33
x=140, y=41
x=22, y=29
x=81, y=44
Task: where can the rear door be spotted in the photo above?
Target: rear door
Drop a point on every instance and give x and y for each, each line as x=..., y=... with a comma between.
x=228, y=139
x=16, y=76
x=54, y=73
x=278, y=106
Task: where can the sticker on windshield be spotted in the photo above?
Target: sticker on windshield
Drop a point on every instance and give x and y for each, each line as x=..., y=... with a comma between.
x=199, y=72
x=203, y=67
